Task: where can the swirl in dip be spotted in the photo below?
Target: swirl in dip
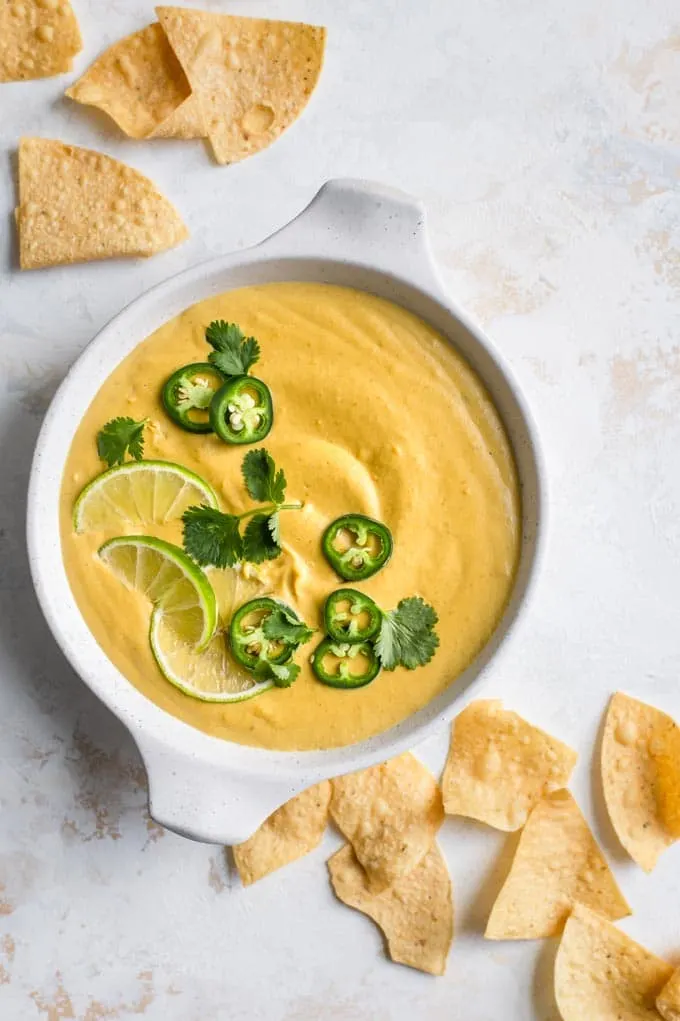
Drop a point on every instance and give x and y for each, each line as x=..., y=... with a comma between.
x=375, y=412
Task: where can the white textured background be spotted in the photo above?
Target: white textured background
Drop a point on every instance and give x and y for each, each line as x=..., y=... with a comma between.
x=545, y=139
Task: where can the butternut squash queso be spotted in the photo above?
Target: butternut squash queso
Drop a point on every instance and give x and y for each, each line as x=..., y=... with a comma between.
x=291, y=516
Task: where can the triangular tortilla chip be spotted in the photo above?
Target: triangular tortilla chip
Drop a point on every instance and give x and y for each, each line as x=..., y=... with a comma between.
x=556, y=865
x=390, y=814
x=668, y=1000
x=416, y=914
x=603, y=975
x=140, y=84
x=253, y=77
x=38, y=39
x=499, y=766
x=290, y=832
x=641, y=777
x=76, y=204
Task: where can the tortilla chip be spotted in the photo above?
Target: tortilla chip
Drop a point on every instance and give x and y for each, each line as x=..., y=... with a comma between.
x=416, y=914
x=668, y=1000
x=76, y=204
x=500, y=766
x=667, y=755
x=390, y=814
x=185, y=122
x=38, y=39
x=603, y=975
x=557, y=864
x=641, y=777
x=289, y=833
x=140, y=84
x=253, y=77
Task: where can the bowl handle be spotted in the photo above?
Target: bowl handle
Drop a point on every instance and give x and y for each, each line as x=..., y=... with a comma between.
x=206, y=802
x=361, y=221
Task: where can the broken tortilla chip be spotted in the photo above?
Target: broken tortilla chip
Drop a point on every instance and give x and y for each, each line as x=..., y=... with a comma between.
x=603, y=975
x=499, y=766
x=140, y=84
x=252, y=77
x=38, y=39
x=668, y=1000
x=390, y=814
x=415, y=914
x=556, y=865
x=76, y=204
x=289, y=833
x=640, y=762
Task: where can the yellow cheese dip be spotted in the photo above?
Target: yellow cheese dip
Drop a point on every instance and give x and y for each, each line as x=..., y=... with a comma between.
x=374, y=412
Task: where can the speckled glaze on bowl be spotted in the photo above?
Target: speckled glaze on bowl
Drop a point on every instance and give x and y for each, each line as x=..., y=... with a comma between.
x=354, y=234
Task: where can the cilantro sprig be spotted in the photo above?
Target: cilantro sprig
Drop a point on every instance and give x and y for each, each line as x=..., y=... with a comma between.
x=212, y=537
x=407, y=637
x=283, y=625
x=120, y=437
x=233, y=353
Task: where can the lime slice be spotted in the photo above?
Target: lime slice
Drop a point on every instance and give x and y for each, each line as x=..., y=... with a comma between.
x=170, y=579
x=139, y=493
x=210, y=675
x=234, y=586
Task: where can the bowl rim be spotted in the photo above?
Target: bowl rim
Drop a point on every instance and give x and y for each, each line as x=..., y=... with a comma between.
x=138, y=713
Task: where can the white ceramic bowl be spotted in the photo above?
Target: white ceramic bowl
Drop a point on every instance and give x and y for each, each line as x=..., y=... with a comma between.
x=354, y=234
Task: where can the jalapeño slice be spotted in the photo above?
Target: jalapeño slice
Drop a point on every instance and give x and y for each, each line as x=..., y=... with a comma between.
x=242, y=410
x=357, y=546
x=345, y=665
x=350, y=616
x=249, y=644
x=188, y=393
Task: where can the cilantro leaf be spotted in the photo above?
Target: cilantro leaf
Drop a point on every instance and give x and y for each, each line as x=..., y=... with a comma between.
x=227, y=363
x=283, y=674
x=250, y=353
x=284, y=625
x=222, y=335
x=211, y=537
x=407, y=637
x=233, y=353
x=264, y=483
x=278, y=488
x=258, y=543
x=119, y=437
